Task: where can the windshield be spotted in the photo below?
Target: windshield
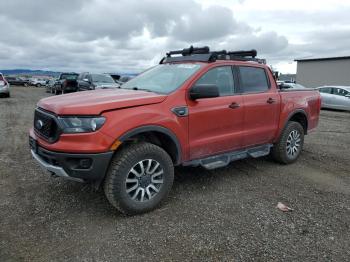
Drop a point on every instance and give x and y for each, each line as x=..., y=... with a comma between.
x=163, y=78
x=102, y=78
x=69, y=76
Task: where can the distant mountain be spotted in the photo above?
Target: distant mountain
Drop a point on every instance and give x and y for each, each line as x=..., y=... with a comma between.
x=29, y=72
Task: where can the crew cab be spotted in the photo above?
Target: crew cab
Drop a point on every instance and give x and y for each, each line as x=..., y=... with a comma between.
x=66, y=83
x=196, y=108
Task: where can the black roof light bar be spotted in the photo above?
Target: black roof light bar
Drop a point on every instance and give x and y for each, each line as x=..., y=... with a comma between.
x=203, y=54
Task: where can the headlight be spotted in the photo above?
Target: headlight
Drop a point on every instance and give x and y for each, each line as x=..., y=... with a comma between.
x=81, y=124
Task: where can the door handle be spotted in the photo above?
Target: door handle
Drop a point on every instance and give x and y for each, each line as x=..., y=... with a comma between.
x=271, y=100
x=234, y=105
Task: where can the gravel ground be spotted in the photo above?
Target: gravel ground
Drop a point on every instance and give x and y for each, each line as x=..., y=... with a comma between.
x=226, y=214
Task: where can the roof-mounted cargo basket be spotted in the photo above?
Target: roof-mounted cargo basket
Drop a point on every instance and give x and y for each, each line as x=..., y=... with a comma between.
x=203, y=54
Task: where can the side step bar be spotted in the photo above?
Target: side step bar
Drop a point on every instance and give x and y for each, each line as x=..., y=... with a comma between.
x=222, y=160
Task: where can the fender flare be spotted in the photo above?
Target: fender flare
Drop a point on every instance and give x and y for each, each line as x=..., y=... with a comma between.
x=293, y=113
x=155, y=128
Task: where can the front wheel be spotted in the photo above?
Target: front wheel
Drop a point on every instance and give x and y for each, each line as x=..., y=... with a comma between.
x=139, y=178
x=290, y=144
x=38, y=85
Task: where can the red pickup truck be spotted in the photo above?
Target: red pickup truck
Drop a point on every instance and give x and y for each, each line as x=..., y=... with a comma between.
x=196, y=108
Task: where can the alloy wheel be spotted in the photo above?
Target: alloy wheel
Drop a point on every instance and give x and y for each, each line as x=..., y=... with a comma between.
x=293, y=144
x=144, y=180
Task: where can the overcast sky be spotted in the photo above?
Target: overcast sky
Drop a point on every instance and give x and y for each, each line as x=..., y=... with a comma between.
x=131, y=35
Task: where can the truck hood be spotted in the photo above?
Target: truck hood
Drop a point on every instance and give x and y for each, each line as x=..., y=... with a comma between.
x=96, y=101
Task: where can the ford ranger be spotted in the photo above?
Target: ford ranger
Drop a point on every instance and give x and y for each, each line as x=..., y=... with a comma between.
x=196, y=108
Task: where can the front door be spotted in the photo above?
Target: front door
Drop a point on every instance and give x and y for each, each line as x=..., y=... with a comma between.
x=340, y=98
x=326, y=96
x=216, y=124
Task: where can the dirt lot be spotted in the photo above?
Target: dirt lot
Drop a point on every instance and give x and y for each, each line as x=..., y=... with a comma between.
x=226, y=214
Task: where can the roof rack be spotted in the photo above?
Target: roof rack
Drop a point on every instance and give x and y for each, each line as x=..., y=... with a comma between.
x=203, y=54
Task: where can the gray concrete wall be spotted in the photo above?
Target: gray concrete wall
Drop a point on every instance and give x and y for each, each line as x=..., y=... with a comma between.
x=326, y=72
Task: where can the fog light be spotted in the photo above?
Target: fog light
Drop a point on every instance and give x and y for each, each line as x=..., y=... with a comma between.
x=85, y=163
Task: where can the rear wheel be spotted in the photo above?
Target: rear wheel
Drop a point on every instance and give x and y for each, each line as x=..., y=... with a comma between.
x=290, y=144
x=38, y=85
x=139, y=178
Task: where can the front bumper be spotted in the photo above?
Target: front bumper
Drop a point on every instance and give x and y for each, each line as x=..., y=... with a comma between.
x=78, y=167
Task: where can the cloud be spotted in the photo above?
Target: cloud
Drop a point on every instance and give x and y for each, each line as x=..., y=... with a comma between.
x=130, y=35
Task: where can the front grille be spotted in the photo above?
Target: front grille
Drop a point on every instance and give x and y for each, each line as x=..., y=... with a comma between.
x=45, y=124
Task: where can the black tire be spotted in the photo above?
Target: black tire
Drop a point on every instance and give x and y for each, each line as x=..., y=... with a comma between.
x=38, y=85
x=279, y=150
x=57, y=92
x=115, y=185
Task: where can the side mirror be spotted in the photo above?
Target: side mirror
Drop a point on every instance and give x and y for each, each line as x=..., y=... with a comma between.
x=204, y=91
x=86, y=80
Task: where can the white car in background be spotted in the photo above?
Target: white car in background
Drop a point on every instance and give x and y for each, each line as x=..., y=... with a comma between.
x=289, y=85
x=4, y=87
x=38, y=82
x=335, y=97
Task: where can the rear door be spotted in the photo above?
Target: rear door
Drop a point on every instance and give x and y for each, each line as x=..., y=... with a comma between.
x=216, y=124
x=261, y=106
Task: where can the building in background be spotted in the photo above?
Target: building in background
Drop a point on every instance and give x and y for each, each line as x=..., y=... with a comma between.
x=314, y=72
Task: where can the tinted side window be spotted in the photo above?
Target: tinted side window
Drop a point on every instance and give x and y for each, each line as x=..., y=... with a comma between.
x=253, y=79
x=326, y=90
x=222, y=77
x=340, y=92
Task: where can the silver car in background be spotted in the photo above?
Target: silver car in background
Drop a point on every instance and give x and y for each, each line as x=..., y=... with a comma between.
x=335, y=97
x=289, y=85
x=4, y=87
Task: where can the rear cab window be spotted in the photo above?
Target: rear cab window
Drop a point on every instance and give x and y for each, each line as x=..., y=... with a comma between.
x=253, y=79
x=69, y=76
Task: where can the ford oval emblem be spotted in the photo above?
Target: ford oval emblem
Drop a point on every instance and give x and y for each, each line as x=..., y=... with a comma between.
x=39, y=124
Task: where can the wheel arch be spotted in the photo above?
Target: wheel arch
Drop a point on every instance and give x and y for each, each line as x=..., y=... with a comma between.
x=158, y=135
x=299, y=116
